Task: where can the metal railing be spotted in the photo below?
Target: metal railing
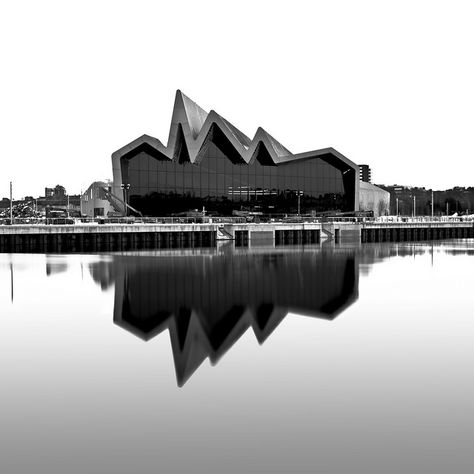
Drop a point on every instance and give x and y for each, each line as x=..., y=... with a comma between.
x=119, y=220
x=290, y=219
x=398, y=220
x=394, y=220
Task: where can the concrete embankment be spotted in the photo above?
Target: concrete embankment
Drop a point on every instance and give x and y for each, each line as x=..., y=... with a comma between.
x=94, y=237
x=119, y=237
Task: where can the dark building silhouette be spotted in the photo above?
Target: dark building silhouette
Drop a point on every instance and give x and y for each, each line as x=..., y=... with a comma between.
x=207, y=301
x=210, y=163
x=365, y=173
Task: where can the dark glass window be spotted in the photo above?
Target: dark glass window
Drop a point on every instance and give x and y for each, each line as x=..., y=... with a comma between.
x=164, y=187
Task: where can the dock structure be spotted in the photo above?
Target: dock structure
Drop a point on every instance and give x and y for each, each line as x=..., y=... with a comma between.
x=415, y=231
x=406, y=230
x=104, y=237
x=122, y=237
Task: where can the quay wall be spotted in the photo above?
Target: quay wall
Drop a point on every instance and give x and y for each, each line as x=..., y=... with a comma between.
x=411, y=232
x=123, y=237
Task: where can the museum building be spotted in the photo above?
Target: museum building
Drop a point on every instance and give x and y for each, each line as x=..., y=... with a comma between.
x=210, y=164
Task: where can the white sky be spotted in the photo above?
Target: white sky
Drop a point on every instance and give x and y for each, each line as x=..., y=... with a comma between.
x=390, y=84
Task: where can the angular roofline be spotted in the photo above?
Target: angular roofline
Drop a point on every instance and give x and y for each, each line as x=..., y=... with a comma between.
x=196, y=124
x=191, y=130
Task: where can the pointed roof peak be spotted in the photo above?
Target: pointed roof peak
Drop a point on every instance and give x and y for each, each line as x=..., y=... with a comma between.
x=264, y=137
x=195, y=114
x=187, y=102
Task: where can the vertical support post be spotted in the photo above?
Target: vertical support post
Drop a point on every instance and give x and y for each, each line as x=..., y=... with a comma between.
x=432, y=204
x=11, y=202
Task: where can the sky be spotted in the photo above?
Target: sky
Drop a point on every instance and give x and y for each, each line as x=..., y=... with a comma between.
x=389, y=84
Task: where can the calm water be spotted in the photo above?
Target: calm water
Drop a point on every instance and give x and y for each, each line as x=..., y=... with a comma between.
x=325, y=359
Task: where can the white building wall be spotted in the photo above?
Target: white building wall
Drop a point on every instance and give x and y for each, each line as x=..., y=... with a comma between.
x=373, y=198
x=93, y=199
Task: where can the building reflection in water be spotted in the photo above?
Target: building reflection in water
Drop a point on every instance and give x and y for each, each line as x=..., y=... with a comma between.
x=208, y=299
x=56, y=264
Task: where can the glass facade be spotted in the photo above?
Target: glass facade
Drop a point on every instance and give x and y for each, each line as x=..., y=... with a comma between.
x=224, y=183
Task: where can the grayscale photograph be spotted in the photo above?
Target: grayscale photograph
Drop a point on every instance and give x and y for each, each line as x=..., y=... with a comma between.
x=237, y=237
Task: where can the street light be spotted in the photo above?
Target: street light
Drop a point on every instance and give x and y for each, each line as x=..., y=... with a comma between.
x=300, y=193
x=432, y=204
x=11, y=202
x=125, y=187
x=400, y=206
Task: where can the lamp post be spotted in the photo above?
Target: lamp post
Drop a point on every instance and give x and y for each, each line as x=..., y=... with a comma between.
x=432, y=204
x=11, y=202
x=125, y=187
x=300, y=193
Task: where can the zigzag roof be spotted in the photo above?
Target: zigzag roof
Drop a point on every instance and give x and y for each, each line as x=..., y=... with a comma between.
x=192, y=129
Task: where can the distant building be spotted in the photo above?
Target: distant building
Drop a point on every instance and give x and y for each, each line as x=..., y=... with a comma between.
x=95, y=202
x=58, y=192
x=365, y=173
x=373, y=198
x=57, y=198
